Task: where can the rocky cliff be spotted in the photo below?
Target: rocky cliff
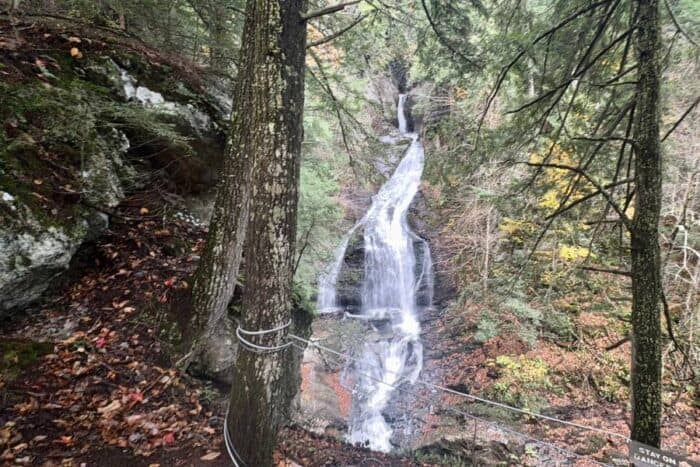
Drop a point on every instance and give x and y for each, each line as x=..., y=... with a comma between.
x=86, y=118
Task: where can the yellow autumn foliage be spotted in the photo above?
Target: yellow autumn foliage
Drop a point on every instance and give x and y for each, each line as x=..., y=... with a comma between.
x=517, y=230
x=557, y=180
x=572, y=252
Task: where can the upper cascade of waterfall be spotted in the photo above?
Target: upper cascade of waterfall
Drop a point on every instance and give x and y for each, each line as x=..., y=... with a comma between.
x=397, y=265
x=403, y=126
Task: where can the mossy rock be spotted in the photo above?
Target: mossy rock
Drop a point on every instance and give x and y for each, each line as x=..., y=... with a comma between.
x=72, y=147
x=16, y=356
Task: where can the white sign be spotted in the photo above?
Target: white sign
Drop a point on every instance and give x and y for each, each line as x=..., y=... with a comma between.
x=642, y=455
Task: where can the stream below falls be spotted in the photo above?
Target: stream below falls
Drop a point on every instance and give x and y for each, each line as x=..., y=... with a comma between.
x=397, y=265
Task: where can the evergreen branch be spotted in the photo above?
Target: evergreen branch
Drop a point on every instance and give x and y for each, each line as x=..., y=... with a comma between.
x=336, y=105
x=506, y=69
x=443, y=40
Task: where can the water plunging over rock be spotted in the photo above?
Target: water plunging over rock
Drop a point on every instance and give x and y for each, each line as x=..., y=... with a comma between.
x=395, y=282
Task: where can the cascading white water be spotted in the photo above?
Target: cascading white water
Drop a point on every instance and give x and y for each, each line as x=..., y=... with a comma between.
x=390, y=287
x=401, y=114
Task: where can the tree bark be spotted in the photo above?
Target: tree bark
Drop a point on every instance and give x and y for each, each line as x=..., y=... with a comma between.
x=215, y=279
x=646, y=256
x=275, y=48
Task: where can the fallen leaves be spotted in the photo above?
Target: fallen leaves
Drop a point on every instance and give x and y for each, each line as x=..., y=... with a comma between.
x=101, y=386
x=210, y=456
x=108, y=409
x=76, y=53
x=169, y=438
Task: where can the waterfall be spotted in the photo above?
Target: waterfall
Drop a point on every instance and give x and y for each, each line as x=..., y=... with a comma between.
x=403, y=128
x=397, y=270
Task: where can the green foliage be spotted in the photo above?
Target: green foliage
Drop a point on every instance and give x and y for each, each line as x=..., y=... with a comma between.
x=319, y=215
x=529, y=320
x=486, y=329
x=204, y=31
x=521, y=381
x=19, y=355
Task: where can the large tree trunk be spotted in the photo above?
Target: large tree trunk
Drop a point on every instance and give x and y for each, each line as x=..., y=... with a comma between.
x=275, y=45
x=215, y=280
x=646, y=258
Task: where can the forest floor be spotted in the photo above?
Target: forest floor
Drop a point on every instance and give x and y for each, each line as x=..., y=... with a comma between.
x=87, y=376
x=87, y=380
x=583, y=381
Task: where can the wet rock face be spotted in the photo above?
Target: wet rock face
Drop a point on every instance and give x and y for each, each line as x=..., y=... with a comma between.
x=324, y=400
x=349, y=285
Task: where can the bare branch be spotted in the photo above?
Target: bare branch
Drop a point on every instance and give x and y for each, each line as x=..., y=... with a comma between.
x=609, y=271
x=671, y=335
x=680, y=120
x=617, y=344
x=304, y=245
x=328, y=10
x=335, y=35
x=629, y=141
x=443, y=40
x=568, y=207
x=678, y=26
x=597, y=185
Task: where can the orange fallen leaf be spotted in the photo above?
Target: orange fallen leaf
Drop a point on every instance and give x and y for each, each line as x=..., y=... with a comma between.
x=66, y=440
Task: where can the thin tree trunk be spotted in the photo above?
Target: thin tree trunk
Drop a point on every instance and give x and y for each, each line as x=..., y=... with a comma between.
x=487, y=249
x=217, y=35
x=646, y=256
x=277, y=38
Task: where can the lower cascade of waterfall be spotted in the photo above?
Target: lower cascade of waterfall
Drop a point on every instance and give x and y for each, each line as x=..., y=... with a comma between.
x=397, y=265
